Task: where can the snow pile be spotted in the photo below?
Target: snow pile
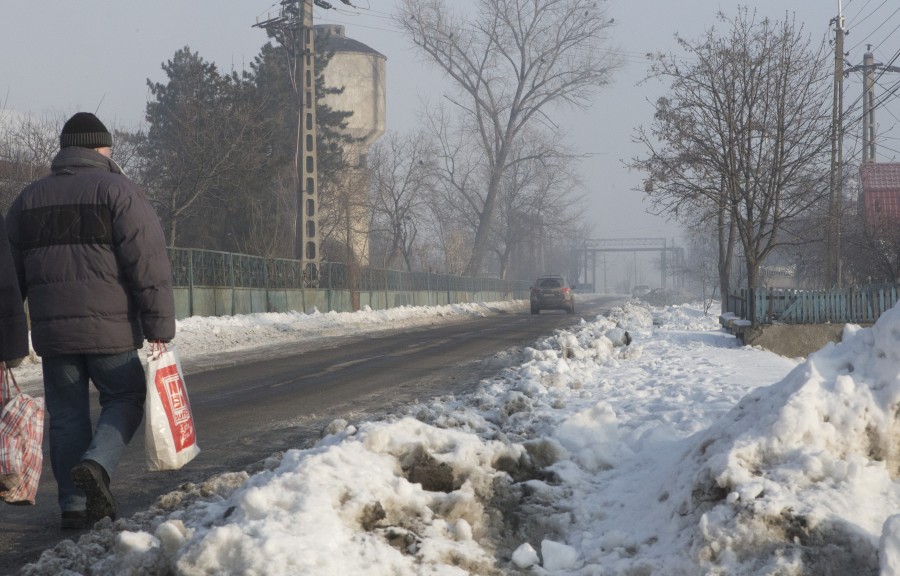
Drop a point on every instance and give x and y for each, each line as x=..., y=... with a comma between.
x=245, y=331
x=674, y=455
x=684, y=318
x=800, y=477
x=419, y=506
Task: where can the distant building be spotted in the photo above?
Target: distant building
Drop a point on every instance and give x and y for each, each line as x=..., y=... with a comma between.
x=361, y=72
x=880, y=193
x=778, y=276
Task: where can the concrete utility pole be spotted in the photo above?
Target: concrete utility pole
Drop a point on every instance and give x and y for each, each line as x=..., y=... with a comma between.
x=663, y=272
x=833, y=228
x=869, y=107
x=868, y=69
x=293, y=28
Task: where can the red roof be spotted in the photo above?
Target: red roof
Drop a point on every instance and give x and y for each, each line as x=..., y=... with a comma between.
x=880, y=191
x=880, y=176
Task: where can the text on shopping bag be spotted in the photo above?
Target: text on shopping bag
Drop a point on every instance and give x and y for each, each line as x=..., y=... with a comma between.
x=174, y=398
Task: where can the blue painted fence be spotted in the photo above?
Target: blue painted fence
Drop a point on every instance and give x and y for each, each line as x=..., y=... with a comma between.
x=857, y=305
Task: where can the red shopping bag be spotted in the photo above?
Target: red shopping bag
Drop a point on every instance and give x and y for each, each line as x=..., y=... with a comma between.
x=21, y=434
x=170, y=436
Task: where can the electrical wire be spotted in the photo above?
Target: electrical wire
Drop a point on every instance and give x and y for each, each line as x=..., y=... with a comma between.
x=851, y=20
x=626, y=56
x=897, y=27
x=870, y=34
x=267, y=10
x=344, y=15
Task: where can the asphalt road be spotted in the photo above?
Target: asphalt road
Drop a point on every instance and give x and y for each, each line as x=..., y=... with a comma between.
x=248, y=406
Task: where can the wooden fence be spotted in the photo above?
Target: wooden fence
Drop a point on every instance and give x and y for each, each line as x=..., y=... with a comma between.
x=858, y=305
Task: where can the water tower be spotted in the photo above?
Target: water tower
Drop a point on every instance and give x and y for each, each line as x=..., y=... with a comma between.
x=361, y=72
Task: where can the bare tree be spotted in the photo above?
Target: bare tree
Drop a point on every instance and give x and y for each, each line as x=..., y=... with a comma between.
x=713, y=217
x=127, y=150
x=27, y=147
x=401, y=175
x=345, y=211
x=538, y=205
x=29, y=143
x=457, y=195
x=701, y=267
x=510, y=65
x=875, y=246
x=537, y=197
x=745, y=133
x=270, y=216
x=452, y=238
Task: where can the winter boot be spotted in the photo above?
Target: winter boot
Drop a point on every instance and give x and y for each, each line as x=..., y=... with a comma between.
x=94, y=481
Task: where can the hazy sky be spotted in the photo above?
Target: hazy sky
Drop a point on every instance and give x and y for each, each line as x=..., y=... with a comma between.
x=61, y=56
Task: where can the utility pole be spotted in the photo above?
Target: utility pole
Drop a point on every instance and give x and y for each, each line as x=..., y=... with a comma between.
x=869, y=106
x=868, y=69
x=833, y=228
x=663, y=273
x=293, y=29
x=605, y=273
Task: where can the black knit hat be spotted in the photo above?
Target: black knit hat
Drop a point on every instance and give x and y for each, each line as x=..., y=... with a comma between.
x=85, y=130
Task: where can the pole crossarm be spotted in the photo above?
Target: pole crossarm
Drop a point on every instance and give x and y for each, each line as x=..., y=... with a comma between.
x=628, y=244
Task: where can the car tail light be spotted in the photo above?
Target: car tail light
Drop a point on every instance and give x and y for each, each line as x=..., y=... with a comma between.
x=565, y=290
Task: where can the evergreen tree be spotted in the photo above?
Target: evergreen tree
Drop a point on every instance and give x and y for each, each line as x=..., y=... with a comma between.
x=271, y=72
x=202, y=148
x=218, y=156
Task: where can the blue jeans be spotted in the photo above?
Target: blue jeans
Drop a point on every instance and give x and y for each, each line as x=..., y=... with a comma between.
x=120, y=380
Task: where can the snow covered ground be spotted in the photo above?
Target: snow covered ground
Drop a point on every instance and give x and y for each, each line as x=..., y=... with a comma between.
x=682, y=453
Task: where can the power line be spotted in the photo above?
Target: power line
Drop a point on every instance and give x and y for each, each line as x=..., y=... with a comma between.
x=888, y=95
x=631, y=57
x=888, y=110
x=870, y=34
x=891, y=149
x=870, y=13
x=266, y=11
x=886, y=37
x=850, y=21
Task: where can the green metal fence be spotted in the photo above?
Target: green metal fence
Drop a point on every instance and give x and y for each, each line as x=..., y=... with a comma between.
x=209, y=283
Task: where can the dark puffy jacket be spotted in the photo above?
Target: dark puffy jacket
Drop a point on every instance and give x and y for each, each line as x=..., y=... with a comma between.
x=13, y=327
x=91, y=259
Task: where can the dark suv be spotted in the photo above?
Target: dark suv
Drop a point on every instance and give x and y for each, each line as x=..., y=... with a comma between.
x=552, y=293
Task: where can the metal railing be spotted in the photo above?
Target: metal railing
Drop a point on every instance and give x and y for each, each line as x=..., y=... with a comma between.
x=200, y=271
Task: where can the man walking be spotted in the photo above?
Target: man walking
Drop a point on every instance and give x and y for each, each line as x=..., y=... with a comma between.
x=91, y=261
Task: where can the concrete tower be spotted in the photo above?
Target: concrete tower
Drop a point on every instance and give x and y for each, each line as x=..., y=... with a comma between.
x=361, y=72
